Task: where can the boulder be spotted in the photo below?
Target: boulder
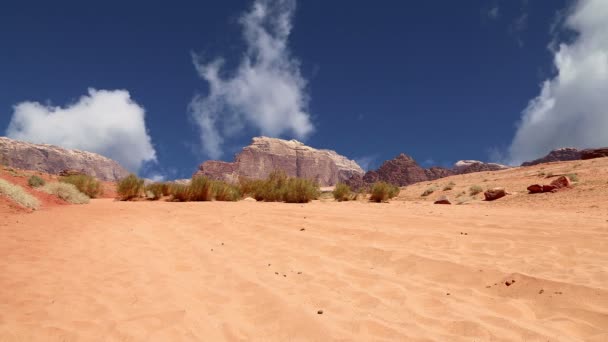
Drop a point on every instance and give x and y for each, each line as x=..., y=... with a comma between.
x=593, y=153
x=560, y=154
x=535, y=188
x=561, y=182
x=494, y=194
x=55, y=160
x=549, y=188
x=443, y=200
x=265, y=155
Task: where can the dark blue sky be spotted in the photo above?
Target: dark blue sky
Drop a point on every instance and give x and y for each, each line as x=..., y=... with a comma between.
x=439, y=80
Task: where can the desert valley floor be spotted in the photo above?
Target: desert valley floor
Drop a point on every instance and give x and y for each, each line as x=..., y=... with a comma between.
x=408, y=270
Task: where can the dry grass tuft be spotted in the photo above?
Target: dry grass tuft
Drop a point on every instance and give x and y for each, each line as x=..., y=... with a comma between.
x=382, y=192
x=18, y=194
x=67, y=192
x=85, y=184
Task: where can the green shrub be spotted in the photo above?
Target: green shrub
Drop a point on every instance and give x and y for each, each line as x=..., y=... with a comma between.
x=382, y=192
x=67, y=192
x=35, y=181
x=130, y=187
x=428, y=191
x=155, y=191
x=85, y=184
x=200, y=189
x=278, y=187
x=449, y=186
x=18, y=194
x=475, y=189
x=342, y=192
x=179, y=192
x=226, y=192
x=300, y=190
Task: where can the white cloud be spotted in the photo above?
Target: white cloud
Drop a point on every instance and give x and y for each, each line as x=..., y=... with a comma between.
x=572, y=108
x=107, y=122
x=266, y=92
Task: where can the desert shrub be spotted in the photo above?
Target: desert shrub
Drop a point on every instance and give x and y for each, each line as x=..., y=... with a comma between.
x=342, y=192
x=463, y=200
x=154, y=191
x=67, y=192
x=549, y=175
x=226, y=192
x=382, y=192
x=179, y=192
x=130, y=187
x=475, y=189
x=85, y=184
x=428, y=191
x=200, y=189
x=449, y=186
x=35, y=181
x=18, y=194
x=278, y=187
x=300, y=190
x=573, y=177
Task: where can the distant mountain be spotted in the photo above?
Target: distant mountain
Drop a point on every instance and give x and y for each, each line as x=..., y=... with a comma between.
x=403, y=170
x=560, y=154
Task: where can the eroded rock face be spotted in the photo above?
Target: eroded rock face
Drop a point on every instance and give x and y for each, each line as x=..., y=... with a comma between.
x=54, y=160
x=560, y=154
x=265, y=155
x=470, y=166
x=592, y=153
x=403, y=170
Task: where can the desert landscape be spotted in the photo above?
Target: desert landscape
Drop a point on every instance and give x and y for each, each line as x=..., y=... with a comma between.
x=525, y=267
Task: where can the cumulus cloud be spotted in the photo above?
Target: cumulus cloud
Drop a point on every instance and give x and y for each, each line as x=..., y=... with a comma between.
x=572, y=108
x=266, y=92
x=107, y=122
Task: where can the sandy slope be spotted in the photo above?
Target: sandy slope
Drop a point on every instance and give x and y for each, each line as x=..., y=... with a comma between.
x=231, y=271
x=408, y=270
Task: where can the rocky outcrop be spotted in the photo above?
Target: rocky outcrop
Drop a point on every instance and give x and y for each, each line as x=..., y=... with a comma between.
x=470, y=166
x=560, y=154
x=265, y=155
x=592, y=153
x=54, y=160
x=403, y=170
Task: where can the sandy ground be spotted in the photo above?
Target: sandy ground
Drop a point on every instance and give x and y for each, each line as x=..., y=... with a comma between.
x=408, y=270
x=261, y=271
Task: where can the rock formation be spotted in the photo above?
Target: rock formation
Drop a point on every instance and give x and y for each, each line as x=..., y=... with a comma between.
x=265, y=155
x=403, y=170
x=494, y=194
x=470, y=166
x=54, y=160
x=592, y=153
x=560, y=154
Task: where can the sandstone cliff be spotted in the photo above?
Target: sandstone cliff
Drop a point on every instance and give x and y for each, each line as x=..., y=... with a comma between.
x=53, y=160
x=265, y=154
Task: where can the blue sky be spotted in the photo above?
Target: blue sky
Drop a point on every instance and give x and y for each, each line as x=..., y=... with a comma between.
x=439, y=80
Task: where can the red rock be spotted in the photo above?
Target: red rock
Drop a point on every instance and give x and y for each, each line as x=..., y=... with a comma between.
x=265, y=155
x=494, y=194
x=53, y=160
x=549, y=188
x=561, y=182
x=535, y=188
x=560, y=154
x=593, y=153
x=443, y=200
